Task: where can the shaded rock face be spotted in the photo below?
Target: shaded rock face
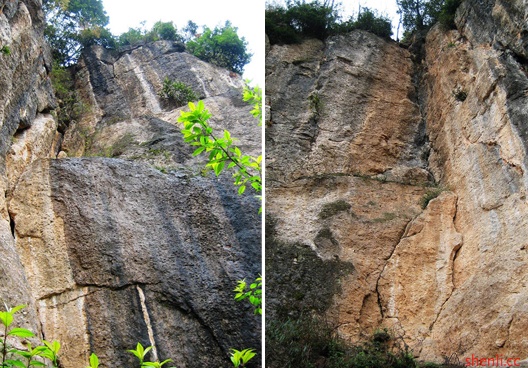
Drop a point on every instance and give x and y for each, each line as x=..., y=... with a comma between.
x=449, y=278
x=134, y=246
x=139, y=268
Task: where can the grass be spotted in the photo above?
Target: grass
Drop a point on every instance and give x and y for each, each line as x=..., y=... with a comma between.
x=311, y=341
x=430, y=195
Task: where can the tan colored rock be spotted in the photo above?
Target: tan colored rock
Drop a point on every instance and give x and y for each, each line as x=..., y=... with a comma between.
x=417, y=280
x=29, y=145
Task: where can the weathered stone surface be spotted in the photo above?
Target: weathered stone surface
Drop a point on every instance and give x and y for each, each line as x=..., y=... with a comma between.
x=99, y=235
x=341, y=155
x=449, y=280
x=107, y=253
x=371, y=132
x=127, y=117
x=26, y=97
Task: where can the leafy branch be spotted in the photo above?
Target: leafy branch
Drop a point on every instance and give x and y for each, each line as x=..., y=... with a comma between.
x=197, y=132
x=253, y=293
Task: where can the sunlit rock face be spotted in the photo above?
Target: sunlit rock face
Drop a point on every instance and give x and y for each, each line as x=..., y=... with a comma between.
x=406, y=177
x=110, y=231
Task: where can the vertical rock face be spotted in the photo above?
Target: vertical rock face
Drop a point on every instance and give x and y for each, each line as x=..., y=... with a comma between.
x=345, y=150
x=450, y=278
x=25, y=100
x=135, y=245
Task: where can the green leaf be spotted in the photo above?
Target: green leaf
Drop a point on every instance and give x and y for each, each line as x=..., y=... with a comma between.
x=6, y=318
x=241, y=189
x=14, y=363
x=198, y=151
x=21, y=332
x=94, y=361
x=36, y=363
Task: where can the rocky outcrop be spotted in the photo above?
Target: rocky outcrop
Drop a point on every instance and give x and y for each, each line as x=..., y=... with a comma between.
x=139, y=268
x=25, y=101
x=110, y=231
x=448, y=278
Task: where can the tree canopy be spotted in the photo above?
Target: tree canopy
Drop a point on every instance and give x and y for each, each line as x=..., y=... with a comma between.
x=418, y=15
x=319, y=19
x=69, y=22
x=221, y=46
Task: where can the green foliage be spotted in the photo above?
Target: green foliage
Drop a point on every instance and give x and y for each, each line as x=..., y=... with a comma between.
x=197, y=132
x=420, y=15
x=430, y=195
x=253, y=293
x=253, y=96
x=221, y=47
x=177, y=93
x=371, y=21
x=447, y=13
x=299, y=20
x=30, y=357
x=190, y=31
x=140, y=352
x=310, y=341
x=71, y=107
x=94, y=361
x=97, y=36
x=5, y=50
x=133, y=36
x=68, y=22
x=166, y=31
x=240, y=358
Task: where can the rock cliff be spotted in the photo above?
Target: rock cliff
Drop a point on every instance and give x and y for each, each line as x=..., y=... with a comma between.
x=121, y=239
x=396, y=184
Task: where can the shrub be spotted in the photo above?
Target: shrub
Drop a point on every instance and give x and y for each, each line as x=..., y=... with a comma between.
x=177, y=92
x=369, y=20
x=97, y=36
x=70, y=104
x=430, y=195
x=165, y=31
x=221, y=47
x=319, y=20
x=447, y=13
x=310, y=341
x=300, y=19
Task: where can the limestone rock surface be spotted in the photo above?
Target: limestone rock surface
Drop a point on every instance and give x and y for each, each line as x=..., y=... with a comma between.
x=109, y=231
x=357, y=128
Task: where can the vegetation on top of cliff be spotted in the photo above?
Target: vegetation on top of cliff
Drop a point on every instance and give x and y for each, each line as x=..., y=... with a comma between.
x=221, y=46
x=74, y=24
x=300, y=20
x=420, y=15
x=69, y=23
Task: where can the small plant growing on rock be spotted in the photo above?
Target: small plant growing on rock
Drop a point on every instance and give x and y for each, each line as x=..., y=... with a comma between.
x=14, y=357
x=177, y=92
x=5, y=50
x=430, y=195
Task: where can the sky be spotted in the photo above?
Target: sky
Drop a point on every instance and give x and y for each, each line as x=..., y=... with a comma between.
x=247, y=15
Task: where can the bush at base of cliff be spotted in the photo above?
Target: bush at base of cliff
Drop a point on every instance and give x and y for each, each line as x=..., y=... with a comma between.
x=310, y=341
x=221, y=47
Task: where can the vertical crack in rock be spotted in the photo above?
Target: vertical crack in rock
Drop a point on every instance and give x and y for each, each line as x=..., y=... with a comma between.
x=146, y=318
x=404, y=234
